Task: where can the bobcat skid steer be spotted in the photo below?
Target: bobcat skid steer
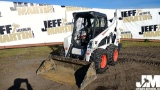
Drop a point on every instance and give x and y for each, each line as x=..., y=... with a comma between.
x=92, y=46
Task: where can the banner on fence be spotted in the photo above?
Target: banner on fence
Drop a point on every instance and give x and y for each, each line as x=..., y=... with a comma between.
x=140, y=23
x=30, y=23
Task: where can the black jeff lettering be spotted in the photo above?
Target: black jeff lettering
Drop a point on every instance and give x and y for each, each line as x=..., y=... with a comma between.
x=6, y=28
x=149, y=28
x=19, y=4
x=51, y=23
x=128, y=13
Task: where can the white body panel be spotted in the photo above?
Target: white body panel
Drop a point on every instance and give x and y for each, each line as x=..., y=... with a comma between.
x=66, y=45
x=76, y=51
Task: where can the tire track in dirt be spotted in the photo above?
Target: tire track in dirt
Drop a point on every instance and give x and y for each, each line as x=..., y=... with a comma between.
x=128, y=70
x=147, y=62
x=133, y=62
x=115, y=78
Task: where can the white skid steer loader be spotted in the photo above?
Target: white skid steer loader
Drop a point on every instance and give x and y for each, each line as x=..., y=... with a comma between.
x=92, y=46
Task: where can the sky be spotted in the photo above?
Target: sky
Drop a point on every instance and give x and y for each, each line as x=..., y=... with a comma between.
x=106, y=4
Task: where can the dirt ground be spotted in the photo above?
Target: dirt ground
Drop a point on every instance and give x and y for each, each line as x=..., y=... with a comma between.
x=17, y=73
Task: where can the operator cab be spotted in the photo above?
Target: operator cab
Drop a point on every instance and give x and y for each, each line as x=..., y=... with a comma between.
x=87, y=25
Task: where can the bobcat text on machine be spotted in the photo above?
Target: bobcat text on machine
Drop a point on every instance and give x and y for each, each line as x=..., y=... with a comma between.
x=92, y=46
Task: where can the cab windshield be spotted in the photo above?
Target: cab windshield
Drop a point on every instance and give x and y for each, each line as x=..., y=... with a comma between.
x=83, y=30
x=86, y=27
x=82, y=23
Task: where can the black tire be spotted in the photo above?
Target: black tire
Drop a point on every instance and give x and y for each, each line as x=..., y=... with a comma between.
x=113, y=53
x=96, y=56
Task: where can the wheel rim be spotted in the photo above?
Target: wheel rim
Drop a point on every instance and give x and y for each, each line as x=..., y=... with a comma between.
x=103, y=61
x=115, y=56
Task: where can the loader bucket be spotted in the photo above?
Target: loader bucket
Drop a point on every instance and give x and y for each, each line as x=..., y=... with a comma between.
x=68, y=71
